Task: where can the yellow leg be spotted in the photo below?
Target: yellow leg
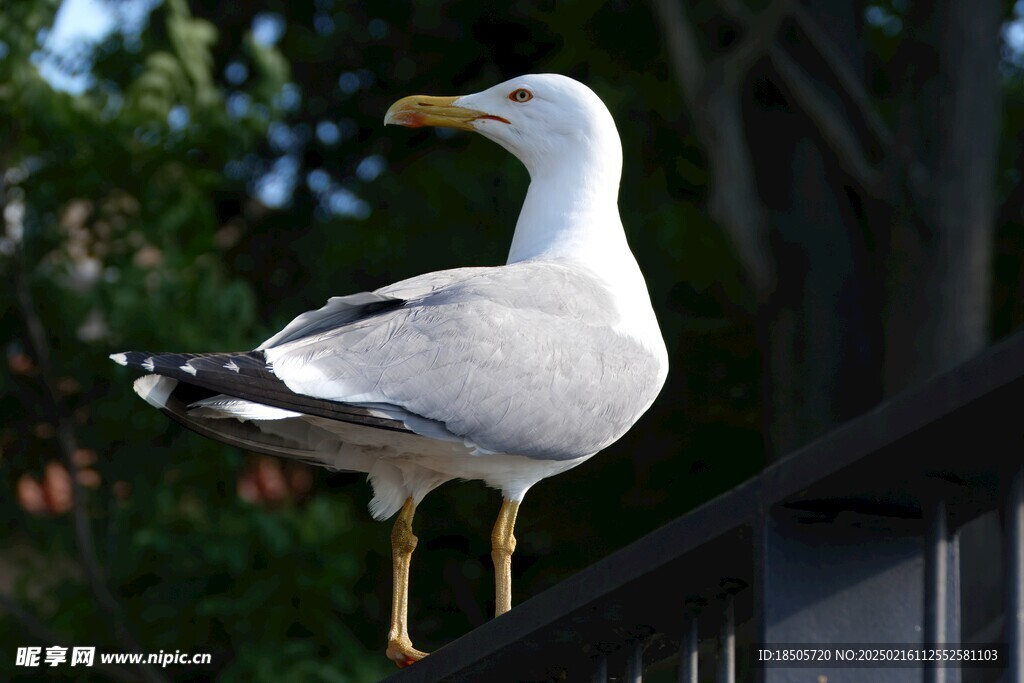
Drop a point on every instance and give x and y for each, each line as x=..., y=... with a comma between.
x=503, y=544
x=403, y=542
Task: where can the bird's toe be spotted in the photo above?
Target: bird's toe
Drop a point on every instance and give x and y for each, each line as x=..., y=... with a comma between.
x=401, y=652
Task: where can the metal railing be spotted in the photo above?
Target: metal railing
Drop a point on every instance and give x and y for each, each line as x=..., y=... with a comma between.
x=854, y=539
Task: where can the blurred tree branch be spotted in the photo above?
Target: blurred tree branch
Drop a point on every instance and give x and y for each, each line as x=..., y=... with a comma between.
x=939, y=273
x=712, y=94
x=840, y=68
x=875, y=178
x=834, y=127
x=917, y=265
x=38, y=342
x=759, y=31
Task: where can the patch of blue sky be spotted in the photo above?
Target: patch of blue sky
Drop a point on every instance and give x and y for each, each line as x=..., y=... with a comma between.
x=64, y=55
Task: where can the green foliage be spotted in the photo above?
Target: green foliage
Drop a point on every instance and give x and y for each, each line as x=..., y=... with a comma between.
x=121, y=188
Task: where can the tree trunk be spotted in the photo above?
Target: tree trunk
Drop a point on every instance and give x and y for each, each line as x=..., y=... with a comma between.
x=819, y=333
x=939, y=270
x=856, y=303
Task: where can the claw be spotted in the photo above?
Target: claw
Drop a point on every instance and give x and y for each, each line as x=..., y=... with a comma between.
x=402, y=653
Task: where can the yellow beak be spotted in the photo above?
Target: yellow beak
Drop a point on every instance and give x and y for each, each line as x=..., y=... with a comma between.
x=423, y=110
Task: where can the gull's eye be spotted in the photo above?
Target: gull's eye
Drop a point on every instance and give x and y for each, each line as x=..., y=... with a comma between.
x=521, y=95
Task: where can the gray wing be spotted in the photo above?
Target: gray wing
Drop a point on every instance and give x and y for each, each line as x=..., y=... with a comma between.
x=341, y=310
x=336, y=312
x=518, y=359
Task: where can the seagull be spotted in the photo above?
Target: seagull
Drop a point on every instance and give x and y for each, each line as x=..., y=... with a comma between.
x=506, y=374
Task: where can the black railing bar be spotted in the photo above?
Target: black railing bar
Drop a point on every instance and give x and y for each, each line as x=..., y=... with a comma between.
x=999, y=366
x=591, y=585
x=635, y=664
x=600, y=670
x=936, y=578
x=689, y=652
x=1014, y=549
x=727, y=644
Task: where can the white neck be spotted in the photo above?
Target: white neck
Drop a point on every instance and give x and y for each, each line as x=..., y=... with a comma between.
x=571, y=215
x=571, y=211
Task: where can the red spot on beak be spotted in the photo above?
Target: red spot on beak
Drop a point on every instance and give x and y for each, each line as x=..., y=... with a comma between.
x=410, y=119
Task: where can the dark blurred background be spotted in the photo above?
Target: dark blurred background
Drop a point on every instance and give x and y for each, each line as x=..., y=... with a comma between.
x=826, y=202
